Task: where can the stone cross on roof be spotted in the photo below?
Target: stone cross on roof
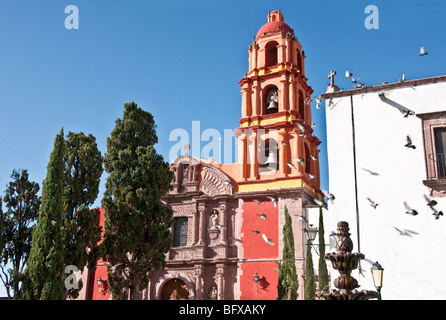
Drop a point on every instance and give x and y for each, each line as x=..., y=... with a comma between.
x=332, y=87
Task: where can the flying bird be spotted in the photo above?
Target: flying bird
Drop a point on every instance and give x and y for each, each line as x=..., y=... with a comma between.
x=262, y=216
x=430, y=202
x=359, y=85
x=318, y=102
x=373, y=173
x=301, y=127
x=330, y=196
x=236, y=240
x=219, y=226
x=273, y=200
x=405, y=232
x=372, y=203
x=410, y=210
x=311, y=176
x=291, y=165
x=258, y=201
x=268, y=241
x=409, y=143
x=255, y=232
x=320, y=203
x=437, y=214
x=300, y=161
x=228, y=183
x=422, y=52
x=406, y=112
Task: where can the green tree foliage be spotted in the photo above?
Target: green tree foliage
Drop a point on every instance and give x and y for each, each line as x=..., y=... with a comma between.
x=22, y=206
x=137, y=234
x=323, y=270
x=83, y=170
x=44, y=271
x=288, y=283
x=310, y=284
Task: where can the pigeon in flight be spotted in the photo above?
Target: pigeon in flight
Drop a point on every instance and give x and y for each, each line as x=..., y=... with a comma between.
x=228, y=183
x=258, y=201
x=262, y=216
x=372, y=203
x=291, y=165
x=300, y=161
x=268, y=241
x=273, y=200
x=255, y=232
x=430, y=202
x=330, y=196
x=437, y=214
x=301, y=127
x=410, y=210
x=405, y=232
x=409, y=143
x=422, y=52
x=318, y=102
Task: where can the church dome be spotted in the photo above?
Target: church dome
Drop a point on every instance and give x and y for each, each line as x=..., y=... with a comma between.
x=275, y=24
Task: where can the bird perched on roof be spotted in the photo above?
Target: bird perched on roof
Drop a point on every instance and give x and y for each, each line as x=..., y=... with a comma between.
x=228, y=183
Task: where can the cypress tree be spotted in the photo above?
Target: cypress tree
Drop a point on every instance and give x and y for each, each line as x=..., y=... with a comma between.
x=43, y=275
x=137, y=234
x=310, y=284
x=323, y=271
x=83, y=169
x=288, y=283
x=22, y=204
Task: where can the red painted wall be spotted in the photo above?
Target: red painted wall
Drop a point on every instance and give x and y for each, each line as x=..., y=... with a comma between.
x=255, y=248
x=101, y=271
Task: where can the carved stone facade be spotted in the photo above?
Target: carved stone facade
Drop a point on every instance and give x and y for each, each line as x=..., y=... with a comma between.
x=200, y=194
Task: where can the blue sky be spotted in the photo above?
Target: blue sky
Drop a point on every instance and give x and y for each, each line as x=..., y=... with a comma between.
x=181, y=60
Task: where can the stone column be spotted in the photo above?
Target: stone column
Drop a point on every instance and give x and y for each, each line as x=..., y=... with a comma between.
x=220, y=275
x=199, y=282
x=224, y=222
x=202, y=223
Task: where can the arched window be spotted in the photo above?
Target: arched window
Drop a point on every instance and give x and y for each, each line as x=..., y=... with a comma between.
x=270, y=100
x=307, y=159
x=299, y=61
x=270, y=154
x=271, y=54
x=301, y=105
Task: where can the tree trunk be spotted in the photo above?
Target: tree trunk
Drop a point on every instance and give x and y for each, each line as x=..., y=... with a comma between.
x=135, y=293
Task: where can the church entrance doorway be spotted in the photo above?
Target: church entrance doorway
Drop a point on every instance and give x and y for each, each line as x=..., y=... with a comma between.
x=175, y=289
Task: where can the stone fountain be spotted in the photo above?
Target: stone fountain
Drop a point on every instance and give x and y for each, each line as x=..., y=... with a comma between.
x=345, y=262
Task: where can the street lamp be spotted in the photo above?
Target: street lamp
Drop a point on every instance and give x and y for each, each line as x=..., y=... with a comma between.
x=311, y=232
x=377, y=274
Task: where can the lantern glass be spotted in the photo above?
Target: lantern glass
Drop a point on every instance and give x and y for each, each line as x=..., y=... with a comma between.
x=377, y=274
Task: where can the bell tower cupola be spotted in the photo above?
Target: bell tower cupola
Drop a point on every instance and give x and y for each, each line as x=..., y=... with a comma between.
x=276, y=142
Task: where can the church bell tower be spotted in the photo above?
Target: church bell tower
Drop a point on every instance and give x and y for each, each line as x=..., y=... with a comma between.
x=277, y=148
x=278, y=158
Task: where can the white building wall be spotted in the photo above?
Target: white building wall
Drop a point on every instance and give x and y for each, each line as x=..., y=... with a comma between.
x=388, y=173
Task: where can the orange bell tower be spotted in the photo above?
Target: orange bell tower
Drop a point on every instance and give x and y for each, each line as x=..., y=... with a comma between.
x=277, y=148
x=278, y=158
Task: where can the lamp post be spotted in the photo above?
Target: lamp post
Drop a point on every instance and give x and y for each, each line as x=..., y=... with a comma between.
x=377, y=274
x=311, y=233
